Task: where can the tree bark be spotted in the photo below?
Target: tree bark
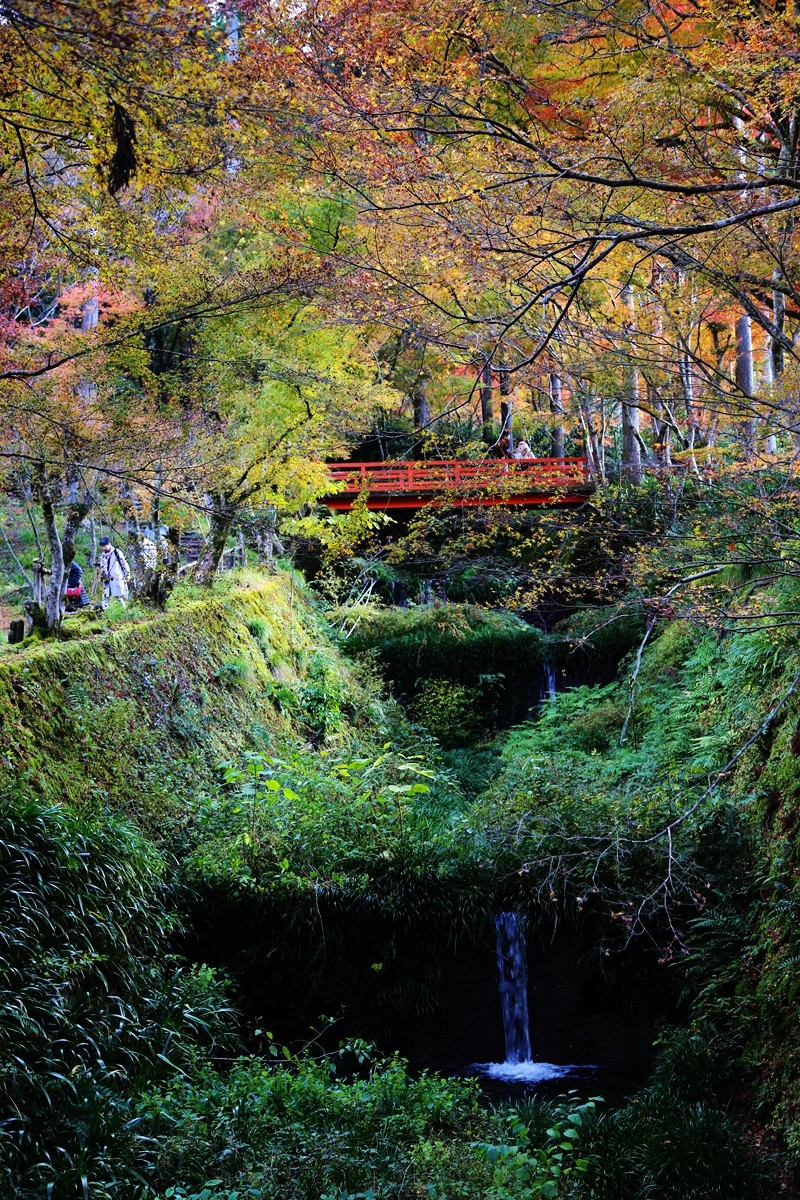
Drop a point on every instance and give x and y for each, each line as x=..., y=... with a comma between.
x=221, y=514
x=769, y=389
x=487, y=405
x=135, y=539
x=745, y=381
x=62, y=546
x=506, y=408
x=662, y=430
x=631, y=464
x=692, y=429
x=419, y=399
x=557, y=410
x=594, y=439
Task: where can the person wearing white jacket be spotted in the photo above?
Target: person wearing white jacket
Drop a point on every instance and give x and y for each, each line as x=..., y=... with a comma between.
x=114, y=572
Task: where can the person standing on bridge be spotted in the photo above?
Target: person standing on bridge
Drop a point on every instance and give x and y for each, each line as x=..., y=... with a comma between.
x=522, y=450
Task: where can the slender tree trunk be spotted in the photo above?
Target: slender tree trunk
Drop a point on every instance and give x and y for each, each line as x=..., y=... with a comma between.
x=419, y=399
x=593, y=438
x=221, y=513
x=745, y=381
x=155, y=501
x=487, y=405
x=135, y=540
x=788, y=168
x=62, y=545
x=778, y=365
x=93, y=542
x=692, y=429
x=662, y=431
x=232, y=30
x=265, y=537
x=557, y=410
x=631, y=466
x=769, y=389
x=506, y=408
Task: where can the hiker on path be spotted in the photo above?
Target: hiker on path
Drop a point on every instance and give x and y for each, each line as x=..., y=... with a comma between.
x=75, y=596
x=114, y=572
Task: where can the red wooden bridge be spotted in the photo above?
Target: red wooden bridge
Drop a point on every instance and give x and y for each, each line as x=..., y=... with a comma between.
x=489, y=481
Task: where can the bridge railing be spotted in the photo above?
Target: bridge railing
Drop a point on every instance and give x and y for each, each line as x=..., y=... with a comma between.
x=525, y=475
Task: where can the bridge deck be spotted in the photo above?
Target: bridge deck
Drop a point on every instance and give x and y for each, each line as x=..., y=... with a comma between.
x=489, y=481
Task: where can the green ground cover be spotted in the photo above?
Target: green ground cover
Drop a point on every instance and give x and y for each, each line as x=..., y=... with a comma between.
x=225, y=757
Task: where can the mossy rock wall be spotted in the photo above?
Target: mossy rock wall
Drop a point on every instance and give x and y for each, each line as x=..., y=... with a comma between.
x=141, y=713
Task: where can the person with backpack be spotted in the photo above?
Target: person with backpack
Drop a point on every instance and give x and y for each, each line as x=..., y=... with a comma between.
x=75, y=595
x=114, y=572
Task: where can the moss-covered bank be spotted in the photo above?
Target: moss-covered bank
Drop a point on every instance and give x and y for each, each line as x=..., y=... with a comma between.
x=145, y=712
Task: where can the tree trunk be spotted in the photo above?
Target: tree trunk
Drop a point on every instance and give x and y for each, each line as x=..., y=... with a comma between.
x=166, y=573
x=487, y=405
x=557, y=409
x=140, y=569
x=221, y=515
x=93, y=542
x=789, y=407
x=594, y=439
x=62, y=546
x=419, y=399
x=745, y=381
x=692, y=429
x=662, y=430
x=506, y=408
x=631, y=465
x=769, y=389
x=265, y=537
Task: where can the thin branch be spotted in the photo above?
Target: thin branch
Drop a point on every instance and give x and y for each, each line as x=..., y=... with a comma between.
x=651, y=622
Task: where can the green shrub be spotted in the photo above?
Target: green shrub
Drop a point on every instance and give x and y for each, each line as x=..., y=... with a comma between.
x=662, y=1145
x=299, y=1131
x=91, y=1003
x=259, y=628
x=540, y=1160
x=236, y=672
x=450, y=711
x=322, y=698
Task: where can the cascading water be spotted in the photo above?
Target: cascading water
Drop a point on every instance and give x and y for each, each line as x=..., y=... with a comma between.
x=550, y=680
x=512, y=966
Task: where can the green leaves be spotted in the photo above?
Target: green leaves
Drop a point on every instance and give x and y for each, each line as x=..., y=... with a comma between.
x=303, y=1128
x=310, y=819
x=91, y=1003
x=530, y=1167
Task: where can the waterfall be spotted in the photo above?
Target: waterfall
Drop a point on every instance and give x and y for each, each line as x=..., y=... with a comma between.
x=550, y=680
x=512, y=966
